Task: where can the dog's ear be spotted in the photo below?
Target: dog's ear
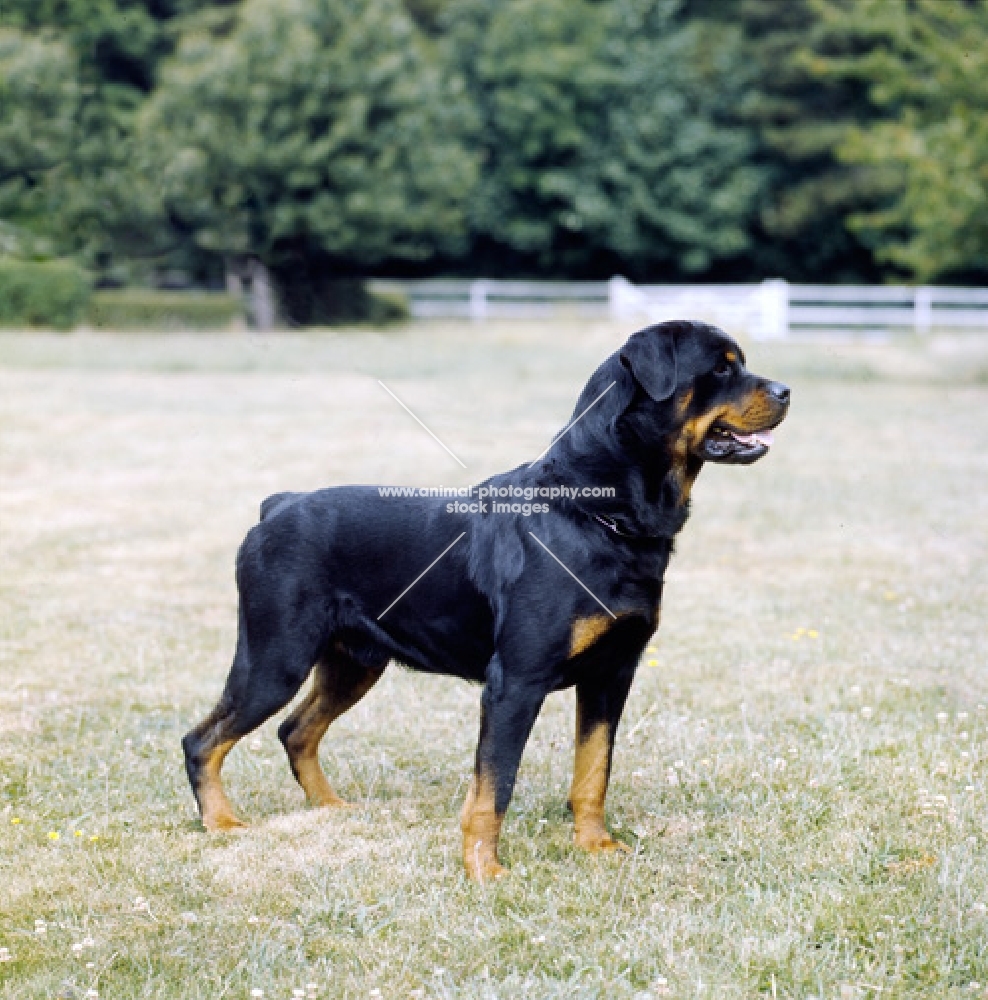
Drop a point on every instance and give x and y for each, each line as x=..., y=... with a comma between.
x=651, y=356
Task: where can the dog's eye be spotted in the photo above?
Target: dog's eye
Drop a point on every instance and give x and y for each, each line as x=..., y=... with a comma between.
x=722, y=369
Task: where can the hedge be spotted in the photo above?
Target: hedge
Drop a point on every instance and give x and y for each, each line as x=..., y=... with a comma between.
x=50, y=294
x=147, y=309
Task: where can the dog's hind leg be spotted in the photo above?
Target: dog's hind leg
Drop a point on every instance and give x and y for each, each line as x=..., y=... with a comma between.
x=339, y=683
x=206, y=747
x=258, y=686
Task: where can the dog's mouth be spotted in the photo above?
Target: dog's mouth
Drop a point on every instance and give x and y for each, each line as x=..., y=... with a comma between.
x=724, y=444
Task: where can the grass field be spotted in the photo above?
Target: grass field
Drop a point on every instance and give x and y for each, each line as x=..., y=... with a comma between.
x=801, y=769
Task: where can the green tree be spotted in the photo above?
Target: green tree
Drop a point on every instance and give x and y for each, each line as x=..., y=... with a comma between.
x=39, y=102
x=802, y=117
x=927, y=67
x=73, y=74
x=314, y=138
x=607, y=134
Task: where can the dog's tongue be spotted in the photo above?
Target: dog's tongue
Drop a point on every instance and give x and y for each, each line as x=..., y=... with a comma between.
x=758, y=437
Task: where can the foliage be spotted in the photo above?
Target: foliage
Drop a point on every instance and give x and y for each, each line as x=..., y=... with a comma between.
x=139, y=309
x=315, y=130
x=119, y=43
x=927, y=67
x=606, y=133
x=39, y=101
x=77, y=73
x=816, y=139
x=802, y=118
x=50, y=294
x=65, y=154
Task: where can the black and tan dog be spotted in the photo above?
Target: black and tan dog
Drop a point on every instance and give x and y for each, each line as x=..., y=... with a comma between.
x=525, y=605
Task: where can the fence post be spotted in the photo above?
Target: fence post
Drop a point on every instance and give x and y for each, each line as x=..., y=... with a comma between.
x=624, y=301
x=774, y=303
x=923, y=310
x=478, y=300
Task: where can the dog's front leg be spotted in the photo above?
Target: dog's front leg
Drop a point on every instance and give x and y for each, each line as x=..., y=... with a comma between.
x=599, y=704
x=505, y=724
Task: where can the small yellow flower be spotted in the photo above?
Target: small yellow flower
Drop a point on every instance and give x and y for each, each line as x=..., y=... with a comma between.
x=93, y=838
x=53, y=835
x=813, y=634
x=653, y=663
x=16, y=820
x=78, y=833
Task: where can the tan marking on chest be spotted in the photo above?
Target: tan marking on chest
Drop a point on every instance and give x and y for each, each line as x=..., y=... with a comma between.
x=586, y=631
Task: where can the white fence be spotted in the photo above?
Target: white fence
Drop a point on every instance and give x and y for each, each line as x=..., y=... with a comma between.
x=771, y=309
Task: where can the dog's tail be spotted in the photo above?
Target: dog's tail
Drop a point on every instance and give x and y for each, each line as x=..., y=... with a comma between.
x=276, y=502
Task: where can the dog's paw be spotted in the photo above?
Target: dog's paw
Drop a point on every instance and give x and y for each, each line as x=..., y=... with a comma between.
x=598, y=841
x=223, y=823
x=481, y=864
x=331, y=801
x=488, y=870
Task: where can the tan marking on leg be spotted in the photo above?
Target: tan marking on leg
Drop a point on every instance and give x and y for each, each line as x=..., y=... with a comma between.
x=217, y=813
x=302, y=746
x=589, y=789
x=481, y=828
x=325, y=703
x=586, y=631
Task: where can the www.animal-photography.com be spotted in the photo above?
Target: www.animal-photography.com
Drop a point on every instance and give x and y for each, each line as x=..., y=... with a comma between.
x=493, y=499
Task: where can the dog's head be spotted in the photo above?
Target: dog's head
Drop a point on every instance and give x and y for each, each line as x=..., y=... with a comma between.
x=699, y=395
x=674, y=396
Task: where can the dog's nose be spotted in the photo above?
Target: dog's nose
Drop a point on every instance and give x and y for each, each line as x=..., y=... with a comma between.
x=778, y=391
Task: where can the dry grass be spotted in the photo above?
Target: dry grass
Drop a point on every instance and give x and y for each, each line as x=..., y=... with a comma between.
x=802, y=774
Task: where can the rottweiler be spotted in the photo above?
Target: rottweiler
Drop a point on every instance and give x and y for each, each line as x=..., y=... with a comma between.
x=339, y=582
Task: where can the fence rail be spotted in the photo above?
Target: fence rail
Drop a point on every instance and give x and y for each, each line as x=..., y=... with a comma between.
x=769, y=309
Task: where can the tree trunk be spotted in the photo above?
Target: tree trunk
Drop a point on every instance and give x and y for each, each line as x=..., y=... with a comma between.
x=262, y=295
